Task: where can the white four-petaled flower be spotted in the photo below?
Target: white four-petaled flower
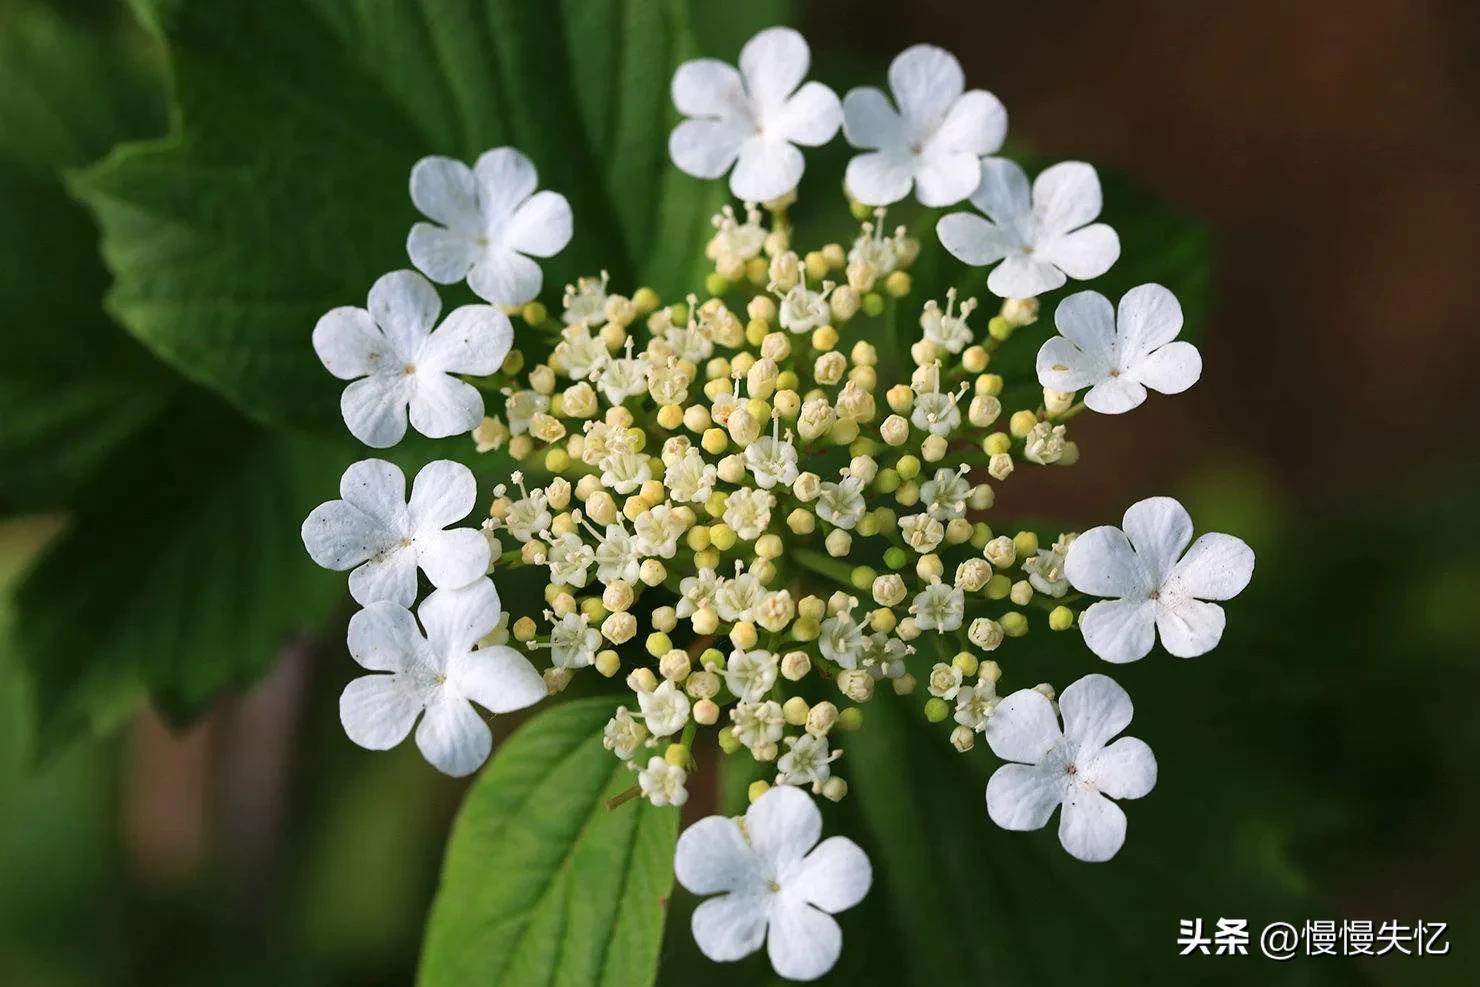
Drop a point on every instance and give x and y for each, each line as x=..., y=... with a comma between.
x=437, y=673
x=933, y=142
x=1156, y=587
x=773, y=883
x=376, y=532
x=396, y=360
x=1076, y=767
x=492, y=222
x=752, y=118
x=1040, y=237
x=1118, y=356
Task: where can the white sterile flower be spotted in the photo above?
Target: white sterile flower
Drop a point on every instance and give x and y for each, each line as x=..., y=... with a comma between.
x=944, y=496
x=585, y=301
x=697, y=592
x=842, y=503
x=1040, y=238
x=573, y=642
x=976, y=704
x=939, y=608
x=1046, y=569
x=397, y=360
x=1156, y=587
x=807, y=761
x=622, y=734
x=1118, y=356
x=438, y=673
x=1074, y=767
x=492, y=222
x=748, y=511
x=383, y=538
x=750, y=674
x=773, y=882
x=756, y=724
x=658, y=530
x=689, y=478
x=569, y=560
x=934, y=142
x=663, y=783
x=752, y=119
x=948, y=329
x=665, y=709
x=772, y=460
x=841, y=640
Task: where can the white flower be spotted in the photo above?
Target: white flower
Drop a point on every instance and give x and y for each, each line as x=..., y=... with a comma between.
x=948, y=329
x=585, y=301
x=622, y=734
x=842, y=503
x=617, y=557
x=374, y=531
x=806, y=762
x=738, y=598
x=976, y=704
x=663, y=783
x=883, y=656
x=934, y=142
x=922, y=532
x=397, y=360
x=773, y=882
x=939, y=608
x=658, y=529
x=750, y=674
x=522, y=406
x=772, y=460
x=1074, y=768
x=1039, y=238
x=936, y=412
x=665, y=709
x=757, y=723
x=752, y=118
x=697, y=592
x=1154, y=591
x=569, y=560
x=944, y=496
x=748, y=512
x=689, y=478
x=492, y=221
x=573, y=642
x=802, y=310
x=944, y=681
x=1046, y=569
x=841, y=640
x=438, y=673
x=579, y=353
x=1118, y=357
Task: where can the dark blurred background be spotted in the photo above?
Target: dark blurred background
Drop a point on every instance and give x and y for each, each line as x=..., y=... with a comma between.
x=1332, y=149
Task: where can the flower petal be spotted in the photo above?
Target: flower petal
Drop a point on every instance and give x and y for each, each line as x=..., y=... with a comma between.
x=377, y=711
x=388, y=576
x=1023, y=727
x=975, y=125
x=405, y=306
x=1216, y=567
x=1124, y=770
x=926, y=81
x=773, y=64
x=834, y=876
x=445, y=190
x=379, y=489
x=1189, y=627
x=783, y=824
x=730, y=926
x=1159, y=529
x=1087, y=319
x=1003, y=195
x=973, y=240
x=707, y=148
x=374, y=408
x=1101, y=562
x=339, y=536
x=810, y=117
x=443, y=406
x=349, y=345
x=803, y=943
x=1083, y=254
x=444, y=493
x=767, y=169
x=1120, y=631
x=1091, y=827
x=505, y=179
x=880, y=177
x=1023, y=796
x=944, y=178
x=504, y=277
x=1065, y=197
x=452, y=559
x=1149, y=316
x=1114, y=396
x=1095, y=709
x=1023, y=277
x=499, y=678
x=712, y=855
x=445, y=256
x=383, y=638
x=541, y=226
x=455, y=619
x=452, y=736
x=707, y=87
x=869, y=121
x=473, y=339
x=1172, y=369
x=1062, y=366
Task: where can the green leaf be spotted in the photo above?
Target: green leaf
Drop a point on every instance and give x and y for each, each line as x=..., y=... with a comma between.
x=282, y=191
x=543, y=883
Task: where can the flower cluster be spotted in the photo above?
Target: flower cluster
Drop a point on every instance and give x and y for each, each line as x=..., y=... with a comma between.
x=761, y=504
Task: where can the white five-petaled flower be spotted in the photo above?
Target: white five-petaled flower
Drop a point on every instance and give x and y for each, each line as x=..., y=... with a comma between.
x=492, y=222
x=752, y=118
x=384, y=538
x=773, y=883
x=1076, y=767
x=438, y=673
x=933, y=142
x=396, y=359
x=1118, y=356
x=1039, y=237
x=1156, y=587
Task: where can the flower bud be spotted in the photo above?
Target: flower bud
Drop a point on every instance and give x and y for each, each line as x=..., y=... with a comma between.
x=795, y=711
x=856, y=684
x=706, y=712
x=963, y=739
x=642, y=680
x=816, y=418
x=838, y=543
x=983, y=410
x=829, y=368
x=889, y=590
x=973, y=574
x=617, y=596
x=1000, y=466
x=835, y=789
x=985, y=633
x=702, y=684
x=675, y=665
x=619, y=627
x=820, y=718
x=1001, y=552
